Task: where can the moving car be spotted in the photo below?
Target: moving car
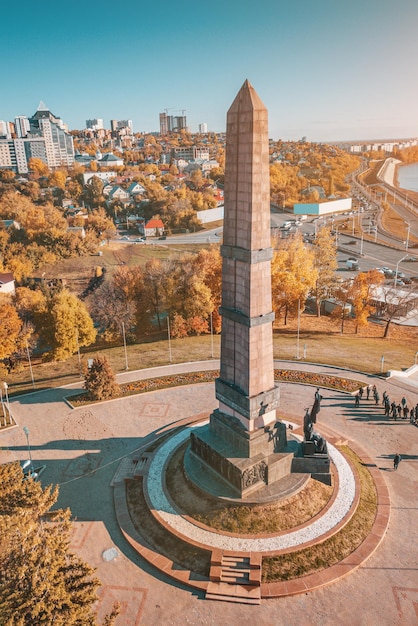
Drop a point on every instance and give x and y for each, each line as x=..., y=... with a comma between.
x=352, y=264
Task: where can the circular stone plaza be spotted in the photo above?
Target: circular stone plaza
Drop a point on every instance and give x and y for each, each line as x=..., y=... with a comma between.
x=93, y=451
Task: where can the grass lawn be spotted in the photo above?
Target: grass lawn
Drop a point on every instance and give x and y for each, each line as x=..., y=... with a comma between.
x=320, y=337
x=336, y=548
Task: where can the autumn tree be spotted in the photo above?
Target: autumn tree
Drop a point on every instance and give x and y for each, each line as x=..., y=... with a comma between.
x=101, y=224
x=396, y=302
x=93, y=192
x=293, y=275
x=187, y=294
x=10, y=328
x=196, y=177
x=99, y=379
x=41, y=581
x=343, y=293
x=65, y=325
x=27, y=301
x=362, y=291
x=113, y=310
x=58, y=178
x=152, y=299
x=38, y=167
x=325, y=259
x=208, y=262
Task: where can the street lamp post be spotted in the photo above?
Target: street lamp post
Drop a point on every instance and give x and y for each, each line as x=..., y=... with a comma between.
x=408, y=230
x=5, y=387
x=336, y=234
x=124, y=346
x=78, y=352
x=169, y=339
x=2, y=404
x=211, y=335
x=30, y=364
x=397, y=270
x=298, y=332
x=26, y=431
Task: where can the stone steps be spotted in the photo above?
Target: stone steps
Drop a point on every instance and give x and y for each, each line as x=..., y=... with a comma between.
x=131, y=468
x=235, y=577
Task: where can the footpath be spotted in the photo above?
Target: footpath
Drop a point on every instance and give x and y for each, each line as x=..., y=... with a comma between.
x=83, y=448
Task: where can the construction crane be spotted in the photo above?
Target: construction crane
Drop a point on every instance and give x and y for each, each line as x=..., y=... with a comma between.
x=178, y=109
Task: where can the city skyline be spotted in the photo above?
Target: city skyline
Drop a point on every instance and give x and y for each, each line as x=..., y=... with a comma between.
x=324, y=71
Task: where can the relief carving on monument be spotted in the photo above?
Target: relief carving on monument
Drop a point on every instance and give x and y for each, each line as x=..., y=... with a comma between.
x=256, y=473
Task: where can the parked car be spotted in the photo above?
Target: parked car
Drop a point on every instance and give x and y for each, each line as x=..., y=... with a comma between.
x=388, y=272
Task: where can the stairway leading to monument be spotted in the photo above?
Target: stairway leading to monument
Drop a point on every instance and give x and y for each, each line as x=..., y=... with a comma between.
x=235, y=577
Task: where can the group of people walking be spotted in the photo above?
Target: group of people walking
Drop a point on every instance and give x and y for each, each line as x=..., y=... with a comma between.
x=396, y=410
x=370, y=391
x=393, y=409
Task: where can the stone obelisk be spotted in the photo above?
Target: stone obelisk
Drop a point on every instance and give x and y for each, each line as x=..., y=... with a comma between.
x=239, y=442
x=245, y=388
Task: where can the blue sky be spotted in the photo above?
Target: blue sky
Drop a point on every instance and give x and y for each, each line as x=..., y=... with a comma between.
x=325, y=69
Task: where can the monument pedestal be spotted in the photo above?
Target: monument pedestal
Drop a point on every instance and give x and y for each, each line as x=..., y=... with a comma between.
x=246, y=461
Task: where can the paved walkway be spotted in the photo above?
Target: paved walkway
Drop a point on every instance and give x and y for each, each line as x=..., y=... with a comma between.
x=83, y=448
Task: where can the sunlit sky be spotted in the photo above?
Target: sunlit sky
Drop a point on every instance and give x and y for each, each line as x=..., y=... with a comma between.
x=325, y=69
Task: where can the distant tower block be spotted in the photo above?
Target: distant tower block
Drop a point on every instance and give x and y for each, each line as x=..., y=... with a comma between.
x=242, y=441
x=245, y=388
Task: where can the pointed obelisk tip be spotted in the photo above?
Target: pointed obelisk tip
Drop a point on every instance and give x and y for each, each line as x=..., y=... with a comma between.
x=247, y=99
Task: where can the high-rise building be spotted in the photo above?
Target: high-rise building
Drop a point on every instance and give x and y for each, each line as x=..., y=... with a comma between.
x=22, y=126
x=172, y=123
x=203, y=128
x=46, y=139
x=163, y=123
x=5, y=129
x=122, y=127
x=94, y=124
x=58, y=143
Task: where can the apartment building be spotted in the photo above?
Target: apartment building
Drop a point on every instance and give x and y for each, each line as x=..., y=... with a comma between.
x=43, y=136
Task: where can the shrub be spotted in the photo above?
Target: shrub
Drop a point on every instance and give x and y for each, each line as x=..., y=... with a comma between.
x=100, y=381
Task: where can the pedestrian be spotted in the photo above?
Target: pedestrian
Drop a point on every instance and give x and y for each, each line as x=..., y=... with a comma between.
x=385, y=395
x=360, y=392
x=357, y=400
x=393, y=409
x=405, y=412
x=368, y=390
x=376, y=397
x=396, y=460
x=387, y=407
x=403, y=401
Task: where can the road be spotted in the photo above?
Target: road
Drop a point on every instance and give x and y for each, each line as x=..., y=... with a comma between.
x=371, y=255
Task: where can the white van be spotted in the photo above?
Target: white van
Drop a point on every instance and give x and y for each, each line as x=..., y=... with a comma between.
x=352, y=264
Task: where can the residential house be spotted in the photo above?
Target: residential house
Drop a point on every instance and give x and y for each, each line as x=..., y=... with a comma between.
x=135, y=189
x=110, y=160
x=104, y=176
x=118, y=193
x=153, y=228
x=6, y=224
x=77, y=229
x=7, y=283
